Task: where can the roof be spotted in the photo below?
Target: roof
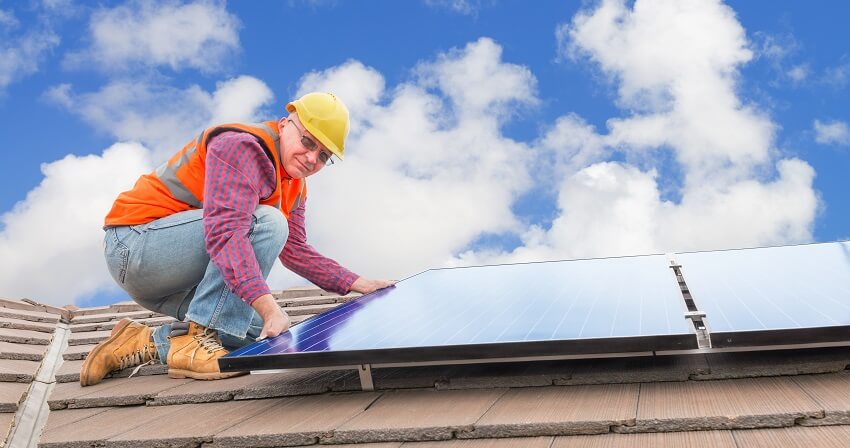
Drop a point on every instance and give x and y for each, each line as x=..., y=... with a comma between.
x=765, y=399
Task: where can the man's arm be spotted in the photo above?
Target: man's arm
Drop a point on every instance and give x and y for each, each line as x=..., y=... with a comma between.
x=301, y=258
x=238, y=174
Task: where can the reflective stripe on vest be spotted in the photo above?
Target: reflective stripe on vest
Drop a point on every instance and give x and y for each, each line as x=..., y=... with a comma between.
x=178, y=184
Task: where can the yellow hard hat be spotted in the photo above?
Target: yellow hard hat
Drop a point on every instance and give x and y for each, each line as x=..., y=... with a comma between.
x=325, y=116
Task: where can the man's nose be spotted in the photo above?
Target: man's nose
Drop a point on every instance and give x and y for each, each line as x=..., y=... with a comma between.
x=313, y=157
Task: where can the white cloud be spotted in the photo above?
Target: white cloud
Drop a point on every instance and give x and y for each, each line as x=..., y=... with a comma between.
x=430, y=170
x=837, y=76
x=21, y=55
x=799, y=73
x=56, y=231
x=465, y=7
x=832, y=133
x=164, y=118
x=198, y=35
x=51, y=243
x=675, y=65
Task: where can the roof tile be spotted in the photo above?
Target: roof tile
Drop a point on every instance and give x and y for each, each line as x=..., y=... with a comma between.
x=295, y=421
x=797, y=437
x=418, y=415
x=29, y=314
x=518, y=442
x=106, y=317
x=18, y=370
x=775, y=363
x=722, y=404
x=830, y=391
x=94, y=429
x=22, y=324
x=559, y=410
x=114, y=392
x=476, y=376
x=713, y=439
x=6, y=421
x=636, y=369
x=25, y=336
x=69, y=371
x=11, y=395
x=77, y=352
x=29, y=352
x=191, y=425
x=88, y=337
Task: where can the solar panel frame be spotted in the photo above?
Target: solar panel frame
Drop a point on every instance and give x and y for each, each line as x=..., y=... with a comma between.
x=454, y=353
x=717, y=321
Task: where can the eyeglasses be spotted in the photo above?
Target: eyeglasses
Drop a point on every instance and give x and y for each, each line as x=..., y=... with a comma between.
x=311, y=145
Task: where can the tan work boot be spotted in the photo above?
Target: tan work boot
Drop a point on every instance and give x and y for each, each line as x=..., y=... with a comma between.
x=129, y=345
x=194, y=353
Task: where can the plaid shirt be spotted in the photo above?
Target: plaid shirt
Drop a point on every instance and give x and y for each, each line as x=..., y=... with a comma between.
x=238, y=174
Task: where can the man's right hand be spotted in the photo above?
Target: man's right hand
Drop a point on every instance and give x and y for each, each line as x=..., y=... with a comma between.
x=275, y=320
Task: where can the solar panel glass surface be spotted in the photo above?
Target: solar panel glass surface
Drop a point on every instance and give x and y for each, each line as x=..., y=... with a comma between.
x=581, y=306
x=775, y=295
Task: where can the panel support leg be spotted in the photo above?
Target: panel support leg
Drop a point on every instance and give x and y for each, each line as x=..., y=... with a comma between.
x=365, y=371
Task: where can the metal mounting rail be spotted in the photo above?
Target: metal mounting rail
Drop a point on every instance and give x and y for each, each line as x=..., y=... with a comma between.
x=694, y=314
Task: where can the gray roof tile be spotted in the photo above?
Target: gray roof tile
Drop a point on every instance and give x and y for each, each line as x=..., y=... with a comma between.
x=25, y=336
x=112, y=392
x=21, y=324
x=797, y=437
x=11, y=394
x=18, y=370
x=297, y=420
x=554, y=410
x=30, y=352
x=437, y=415
x=514, y=442
x=94, y=429
x=713, y=439
x=722, y=404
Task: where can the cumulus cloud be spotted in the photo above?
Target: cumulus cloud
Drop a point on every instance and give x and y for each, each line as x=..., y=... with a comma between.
x=198, y=35
x=56, y=229
x=465, y=7
x=675, y=67
x=21, y=54
x=832, y=132
x=160, y=116
x=51, y=243
x=430, y=170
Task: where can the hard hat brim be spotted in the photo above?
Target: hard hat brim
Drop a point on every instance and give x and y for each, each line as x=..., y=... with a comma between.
x=315, y=132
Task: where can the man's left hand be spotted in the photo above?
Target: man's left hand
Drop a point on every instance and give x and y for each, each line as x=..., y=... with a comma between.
x=365, y=285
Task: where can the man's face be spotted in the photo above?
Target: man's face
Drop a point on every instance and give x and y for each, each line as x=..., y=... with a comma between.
x=298, y=161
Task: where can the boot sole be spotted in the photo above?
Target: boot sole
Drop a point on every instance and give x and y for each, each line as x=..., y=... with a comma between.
x=182, y=374
x=84, y=370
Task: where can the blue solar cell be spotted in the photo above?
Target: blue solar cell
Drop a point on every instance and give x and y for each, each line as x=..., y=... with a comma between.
x=775, y=295
x=555, y=308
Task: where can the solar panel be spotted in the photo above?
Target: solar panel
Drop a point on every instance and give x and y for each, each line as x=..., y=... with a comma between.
x=772, y=296
x=612, y=305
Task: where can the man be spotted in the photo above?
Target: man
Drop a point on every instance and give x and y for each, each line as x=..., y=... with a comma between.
x=196, y=239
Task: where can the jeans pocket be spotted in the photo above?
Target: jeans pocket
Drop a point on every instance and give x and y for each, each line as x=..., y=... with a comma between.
x=117, y=255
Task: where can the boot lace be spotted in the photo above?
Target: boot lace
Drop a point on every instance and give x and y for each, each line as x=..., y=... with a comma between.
x=137, y=359
x=209, y=341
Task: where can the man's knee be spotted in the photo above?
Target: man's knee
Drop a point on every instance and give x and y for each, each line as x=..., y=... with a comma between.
x=271, y=222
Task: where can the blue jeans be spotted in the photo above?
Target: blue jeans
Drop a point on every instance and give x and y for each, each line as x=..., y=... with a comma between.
x=164, y=266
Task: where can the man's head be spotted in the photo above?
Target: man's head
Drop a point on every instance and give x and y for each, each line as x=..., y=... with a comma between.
x=316, y=128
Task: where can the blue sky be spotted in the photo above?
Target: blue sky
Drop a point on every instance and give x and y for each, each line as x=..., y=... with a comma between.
x=483, y=131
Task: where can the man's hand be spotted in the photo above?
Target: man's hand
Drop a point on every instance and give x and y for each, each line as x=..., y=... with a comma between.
x=275, y=320
x=365, y=286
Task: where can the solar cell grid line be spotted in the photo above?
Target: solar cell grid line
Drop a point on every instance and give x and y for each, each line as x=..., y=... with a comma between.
x=564, y=308
x=782, y=295
x=500, y=304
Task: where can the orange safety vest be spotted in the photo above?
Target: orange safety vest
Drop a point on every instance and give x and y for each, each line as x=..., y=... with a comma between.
x=178, y=184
